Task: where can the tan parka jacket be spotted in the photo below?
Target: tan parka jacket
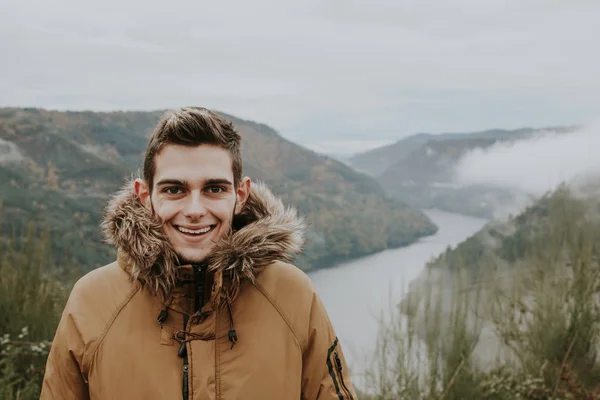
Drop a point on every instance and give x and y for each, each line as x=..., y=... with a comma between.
x=130, y=329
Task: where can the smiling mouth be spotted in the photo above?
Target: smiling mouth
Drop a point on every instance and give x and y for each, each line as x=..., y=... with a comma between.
x=195, y=232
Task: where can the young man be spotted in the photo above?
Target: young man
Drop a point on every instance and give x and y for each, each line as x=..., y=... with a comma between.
x=202, y=302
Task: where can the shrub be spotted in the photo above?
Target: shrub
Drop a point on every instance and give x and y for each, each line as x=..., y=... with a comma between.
x=31, y=301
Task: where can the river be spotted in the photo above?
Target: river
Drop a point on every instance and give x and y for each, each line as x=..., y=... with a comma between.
x=357, y=292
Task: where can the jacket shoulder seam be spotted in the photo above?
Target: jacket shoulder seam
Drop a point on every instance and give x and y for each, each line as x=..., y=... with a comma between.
x=87, y=363
x=277, y=307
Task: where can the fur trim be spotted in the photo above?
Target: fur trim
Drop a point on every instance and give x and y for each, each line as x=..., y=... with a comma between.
x=265, y=231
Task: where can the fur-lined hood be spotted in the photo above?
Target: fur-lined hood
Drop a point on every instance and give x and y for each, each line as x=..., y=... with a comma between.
x=264, y=232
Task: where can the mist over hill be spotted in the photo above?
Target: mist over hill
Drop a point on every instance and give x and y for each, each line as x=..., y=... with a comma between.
x=443, y=171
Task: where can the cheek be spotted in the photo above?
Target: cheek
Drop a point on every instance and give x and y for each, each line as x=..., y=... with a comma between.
x=224, y=210
x=165, y=210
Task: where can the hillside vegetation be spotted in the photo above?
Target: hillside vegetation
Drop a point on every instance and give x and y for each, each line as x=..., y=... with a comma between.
x=33, y=293
x=513, y=313
x=508, y=241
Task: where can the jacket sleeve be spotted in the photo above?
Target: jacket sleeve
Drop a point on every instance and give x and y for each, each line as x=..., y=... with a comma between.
x=325, y=374
x=63, y=378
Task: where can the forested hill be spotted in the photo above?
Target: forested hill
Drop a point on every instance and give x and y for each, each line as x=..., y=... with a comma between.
x=569, y=213
x=57, y=170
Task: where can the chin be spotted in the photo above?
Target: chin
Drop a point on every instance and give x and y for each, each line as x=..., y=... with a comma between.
x=190, y=257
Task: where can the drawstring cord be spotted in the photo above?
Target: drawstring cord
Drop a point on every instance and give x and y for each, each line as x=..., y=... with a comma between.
x=164, y=312
x=183, y=336
x=232, y=333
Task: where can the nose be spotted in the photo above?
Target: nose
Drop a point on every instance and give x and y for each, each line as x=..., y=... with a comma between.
x=194, y=207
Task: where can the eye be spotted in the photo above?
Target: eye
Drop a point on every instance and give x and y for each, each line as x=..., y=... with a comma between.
x=173, y=190
x=216, y=189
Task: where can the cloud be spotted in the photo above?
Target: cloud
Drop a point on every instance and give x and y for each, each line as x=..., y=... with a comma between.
x=536, y=165
x=392, y=68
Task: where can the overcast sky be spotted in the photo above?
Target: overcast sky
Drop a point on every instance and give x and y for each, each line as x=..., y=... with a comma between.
x=334, y=75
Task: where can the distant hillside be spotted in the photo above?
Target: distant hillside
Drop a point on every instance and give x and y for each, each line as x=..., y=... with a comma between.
x=57, y=169
x=378, y=160
x=542, y=236
x=503, y=243
x=425, y=178
x=423, y=172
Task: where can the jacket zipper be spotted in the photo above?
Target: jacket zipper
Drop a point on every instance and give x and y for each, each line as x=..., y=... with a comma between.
x=183, y=353
x=198, y=304
x=338, y=365
x=199, y=272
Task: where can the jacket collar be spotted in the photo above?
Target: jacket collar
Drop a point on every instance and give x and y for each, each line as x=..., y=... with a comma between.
x=264, y=232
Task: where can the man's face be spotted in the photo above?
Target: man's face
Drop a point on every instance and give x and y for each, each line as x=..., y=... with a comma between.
x=194, y=196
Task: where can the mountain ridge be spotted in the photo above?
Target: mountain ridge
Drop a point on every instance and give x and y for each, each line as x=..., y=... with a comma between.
x=70, y=162
x=376, y=161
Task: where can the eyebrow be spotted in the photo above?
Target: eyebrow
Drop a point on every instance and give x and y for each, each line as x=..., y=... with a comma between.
x=218, y=181
x=177, y=182
x=209, y=181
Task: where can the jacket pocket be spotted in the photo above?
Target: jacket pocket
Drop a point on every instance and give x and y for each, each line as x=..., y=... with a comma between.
x=335, y=366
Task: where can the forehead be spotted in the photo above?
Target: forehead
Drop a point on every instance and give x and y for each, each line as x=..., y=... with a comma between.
x=193, y=164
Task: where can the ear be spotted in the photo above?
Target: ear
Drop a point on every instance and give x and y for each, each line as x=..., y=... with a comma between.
x=142, y=191
x=242, y=193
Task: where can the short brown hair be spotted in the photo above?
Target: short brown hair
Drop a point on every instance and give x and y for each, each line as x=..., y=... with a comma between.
x=193, y=126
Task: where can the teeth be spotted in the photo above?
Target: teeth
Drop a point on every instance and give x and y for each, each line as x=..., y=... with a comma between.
x=196, y=232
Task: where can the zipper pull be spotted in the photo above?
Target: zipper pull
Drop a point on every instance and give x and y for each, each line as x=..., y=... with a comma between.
x=182, y=350
x=232, y=338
